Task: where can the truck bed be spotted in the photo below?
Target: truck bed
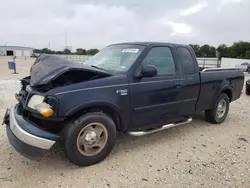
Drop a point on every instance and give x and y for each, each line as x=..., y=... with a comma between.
x=215, y=80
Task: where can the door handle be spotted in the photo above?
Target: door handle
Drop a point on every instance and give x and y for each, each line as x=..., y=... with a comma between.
x=178, y=84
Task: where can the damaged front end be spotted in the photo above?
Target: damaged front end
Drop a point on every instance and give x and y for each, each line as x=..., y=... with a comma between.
x=50, y=71
x=33, y=125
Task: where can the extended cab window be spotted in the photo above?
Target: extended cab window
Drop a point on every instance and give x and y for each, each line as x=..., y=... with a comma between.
x=186, y=59
x=162, y=59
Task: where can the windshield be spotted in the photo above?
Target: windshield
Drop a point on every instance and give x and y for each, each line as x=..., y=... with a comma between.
x=116, y=58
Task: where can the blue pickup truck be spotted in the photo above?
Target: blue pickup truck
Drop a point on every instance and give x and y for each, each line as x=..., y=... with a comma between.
x=137, y=88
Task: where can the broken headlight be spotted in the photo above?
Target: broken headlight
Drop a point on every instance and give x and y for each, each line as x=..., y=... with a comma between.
x=35, y=100
x=42, y=105
x=44, y=109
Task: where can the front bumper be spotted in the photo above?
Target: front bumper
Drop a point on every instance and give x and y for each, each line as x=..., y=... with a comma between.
x=26, y=138
x=247, y=88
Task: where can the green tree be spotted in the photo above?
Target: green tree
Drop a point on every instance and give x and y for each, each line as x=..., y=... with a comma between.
x=238, y=49
x=196, y=49
x=223, y=51
x=208, y=51
x=205, y=50
x=92, y=51
x=232, y=53
x=212, y=51
x=46, y=51
x=66, y=51
x=58, y=52
x=80, y=51
x=247, y=54
x=37, y=51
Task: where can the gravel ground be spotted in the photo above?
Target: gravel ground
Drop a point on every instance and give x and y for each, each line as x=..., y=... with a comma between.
x=198, y=154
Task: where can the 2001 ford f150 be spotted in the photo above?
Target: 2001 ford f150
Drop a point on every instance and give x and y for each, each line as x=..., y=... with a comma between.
x=138, y=88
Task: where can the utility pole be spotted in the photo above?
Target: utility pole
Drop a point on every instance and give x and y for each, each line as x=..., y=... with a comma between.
x=66, y=41
x=66, y=38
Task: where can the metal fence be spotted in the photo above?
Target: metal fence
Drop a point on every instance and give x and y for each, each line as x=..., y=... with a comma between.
x=208, y=62
x=75, y=57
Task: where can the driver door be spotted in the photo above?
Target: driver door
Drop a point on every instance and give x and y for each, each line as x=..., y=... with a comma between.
x=156, y=99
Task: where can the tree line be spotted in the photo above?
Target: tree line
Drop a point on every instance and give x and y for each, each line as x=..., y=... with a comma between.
x=239, y=49
x=79, y=51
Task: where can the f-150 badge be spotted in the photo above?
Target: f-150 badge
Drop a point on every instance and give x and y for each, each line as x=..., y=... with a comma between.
x=122, y=91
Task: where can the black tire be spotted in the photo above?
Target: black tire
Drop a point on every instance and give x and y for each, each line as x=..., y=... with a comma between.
x=247, y=92
x=211, y=115
x=72, y=130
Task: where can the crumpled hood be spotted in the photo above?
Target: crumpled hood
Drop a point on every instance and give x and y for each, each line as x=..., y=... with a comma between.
x=48, y=67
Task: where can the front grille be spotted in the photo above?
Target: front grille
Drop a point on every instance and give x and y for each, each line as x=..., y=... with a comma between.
x=22, y=95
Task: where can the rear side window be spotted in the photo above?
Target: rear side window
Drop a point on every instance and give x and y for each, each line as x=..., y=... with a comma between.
x=162, y=59
x=186, y=59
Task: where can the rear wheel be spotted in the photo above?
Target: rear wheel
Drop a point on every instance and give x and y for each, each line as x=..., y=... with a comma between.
x=89, y=139
x=220, y=110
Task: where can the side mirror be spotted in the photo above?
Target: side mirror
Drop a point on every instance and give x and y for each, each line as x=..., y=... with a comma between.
x=148, y=71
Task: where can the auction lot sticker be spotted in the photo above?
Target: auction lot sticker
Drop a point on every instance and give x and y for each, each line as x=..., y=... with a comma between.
x=130, y=50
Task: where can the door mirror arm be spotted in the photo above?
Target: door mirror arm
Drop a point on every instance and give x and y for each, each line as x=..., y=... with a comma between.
x=138, y=75
x=146, y=71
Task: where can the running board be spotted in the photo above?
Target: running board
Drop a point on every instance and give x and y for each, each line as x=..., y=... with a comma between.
x=164, y=127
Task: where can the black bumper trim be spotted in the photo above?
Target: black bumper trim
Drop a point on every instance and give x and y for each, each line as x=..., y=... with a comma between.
x=24, y=149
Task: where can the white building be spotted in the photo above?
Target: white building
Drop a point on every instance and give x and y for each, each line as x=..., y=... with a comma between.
x=15, y=51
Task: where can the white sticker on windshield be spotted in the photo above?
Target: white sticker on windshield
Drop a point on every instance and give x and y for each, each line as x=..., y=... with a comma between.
x=130, y=50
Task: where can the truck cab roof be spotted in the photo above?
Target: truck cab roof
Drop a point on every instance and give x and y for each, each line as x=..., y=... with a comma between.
x=151, y=44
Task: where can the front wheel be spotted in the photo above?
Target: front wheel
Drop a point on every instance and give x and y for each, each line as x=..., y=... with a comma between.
x=220, y=110
x=89, y=139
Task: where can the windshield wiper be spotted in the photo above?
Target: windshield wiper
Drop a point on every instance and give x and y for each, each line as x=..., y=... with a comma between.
x=97, y=67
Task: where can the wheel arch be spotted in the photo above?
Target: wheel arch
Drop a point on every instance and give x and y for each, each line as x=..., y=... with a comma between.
x=227, y=89
x=112, y=110
x=228, y=92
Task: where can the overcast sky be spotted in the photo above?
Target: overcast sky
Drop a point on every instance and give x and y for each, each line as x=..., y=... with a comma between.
x=97, y=23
